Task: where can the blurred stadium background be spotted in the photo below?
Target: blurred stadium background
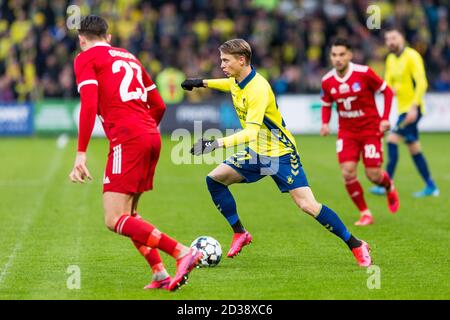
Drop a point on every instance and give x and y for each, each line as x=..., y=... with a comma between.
x=49, y=224
x=179, y=39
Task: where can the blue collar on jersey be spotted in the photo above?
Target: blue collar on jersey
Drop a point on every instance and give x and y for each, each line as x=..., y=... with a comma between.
x=247, y=79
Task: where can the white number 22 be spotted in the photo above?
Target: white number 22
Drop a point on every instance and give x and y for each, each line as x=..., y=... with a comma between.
x=126, y=95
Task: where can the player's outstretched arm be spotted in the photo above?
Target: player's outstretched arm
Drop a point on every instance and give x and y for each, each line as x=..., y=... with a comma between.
x=419, y=77
x=204, y=146
x=156, y=105
x=88, y=112
x=80, y=171
x=388, y=96
x=327, y=102
x=326, y=116
x=249, y=134
x=190, y=84
x=217, y=84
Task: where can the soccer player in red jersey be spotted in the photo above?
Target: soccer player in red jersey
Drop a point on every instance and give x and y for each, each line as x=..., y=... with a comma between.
x=113, y=84
x=361, y=128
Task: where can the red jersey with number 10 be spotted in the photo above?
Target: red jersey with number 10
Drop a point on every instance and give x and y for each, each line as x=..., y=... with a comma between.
x=123, y=85
x=354, y=95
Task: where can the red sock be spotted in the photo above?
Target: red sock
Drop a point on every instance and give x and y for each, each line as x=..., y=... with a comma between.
x=146, y=234
x=152, y=256
x=356, y=192
x=385, y=181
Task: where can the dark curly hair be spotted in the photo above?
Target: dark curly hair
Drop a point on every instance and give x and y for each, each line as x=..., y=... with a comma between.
x=93, y=27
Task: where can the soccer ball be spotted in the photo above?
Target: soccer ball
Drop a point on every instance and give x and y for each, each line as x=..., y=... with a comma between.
x=211, y=249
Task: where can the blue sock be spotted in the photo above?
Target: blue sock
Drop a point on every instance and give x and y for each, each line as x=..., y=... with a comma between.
x=330, y=220
x=392, y=159
x=422, y=167
x=223, y=199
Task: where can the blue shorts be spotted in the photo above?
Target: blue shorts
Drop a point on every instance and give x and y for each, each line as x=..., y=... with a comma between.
x=286, y=171
x=409, y=132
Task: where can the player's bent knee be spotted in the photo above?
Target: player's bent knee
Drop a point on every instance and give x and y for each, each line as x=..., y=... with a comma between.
x=225, y=178
x=414, y=148
x=212, y=180
x=393, y=138
x=213, y=184
x=349, y=176
x=309, y=207
x=374, y=175
x=111, y=221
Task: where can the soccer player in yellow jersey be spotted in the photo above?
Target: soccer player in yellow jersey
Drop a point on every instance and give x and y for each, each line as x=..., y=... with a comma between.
x=271, y=150
x=405, y=74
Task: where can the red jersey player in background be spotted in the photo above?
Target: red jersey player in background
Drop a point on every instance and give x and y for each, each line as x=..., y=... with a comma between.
x=361, y=128
x=113, y=84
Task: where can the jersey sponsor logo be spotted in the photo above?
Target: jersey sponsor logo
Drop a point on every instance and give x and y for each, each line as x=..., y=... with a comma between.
x=347, y=102
x=344, y=88
x=333, y=91
x=242, y=114
x=356, y=87
x=351, y=114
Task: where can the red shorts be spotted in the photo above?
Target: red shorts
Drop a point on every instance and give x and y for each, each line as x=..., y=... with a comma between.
x=131, y=164
x=350, y=149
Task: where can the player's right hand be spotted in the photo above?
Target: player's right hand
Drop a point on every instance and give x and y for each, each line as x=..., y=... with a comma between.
x=189, y=84
x=80, y=171
x=204, y=146
x=384, y=126
x=325, y=130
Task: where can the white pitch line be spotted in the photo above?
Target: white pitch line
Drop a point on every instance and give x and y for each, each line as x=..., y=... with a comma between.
x=21, y=183
x=53, y=168
x=9, y=262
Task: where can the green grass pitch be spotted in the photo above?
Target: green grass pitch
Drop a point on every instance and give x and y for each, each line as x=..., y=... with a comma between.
x=48, y=224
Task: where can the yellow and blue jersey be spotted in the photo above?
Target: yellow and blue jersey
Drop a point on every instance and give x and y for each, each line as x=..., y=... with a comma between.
x=257, y=109
x=406, y=75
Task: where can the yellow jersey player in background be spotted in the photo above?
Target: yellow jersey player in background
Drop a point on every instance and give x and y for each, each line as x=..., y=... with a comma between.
x=271, y=150
x=405, y=74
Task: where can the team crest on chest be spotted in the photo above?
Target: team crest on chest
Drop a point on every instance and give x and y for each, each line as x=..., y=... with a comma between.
x=356, y=87
x=344, y=88
x=333, y=91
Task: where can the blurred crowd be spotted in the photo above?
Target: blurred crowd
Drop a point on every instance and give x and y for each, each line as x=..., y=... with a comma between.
x=179, y=39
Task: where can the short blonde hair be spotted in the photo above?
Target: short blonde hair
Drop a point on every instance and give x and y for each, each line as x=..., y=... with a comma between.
x=238, y=47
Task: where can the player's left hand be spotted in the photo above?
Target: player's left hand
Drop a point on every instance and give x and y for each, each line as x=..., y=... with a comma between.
x=325, y=130
x=384, y=126
x=189, y=84
x=80, y=170
x=412, y=115
x=204, y=146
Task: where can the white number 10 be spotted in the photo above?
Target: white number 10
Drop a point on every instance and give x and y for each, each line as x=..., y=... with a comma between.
x=126, y=95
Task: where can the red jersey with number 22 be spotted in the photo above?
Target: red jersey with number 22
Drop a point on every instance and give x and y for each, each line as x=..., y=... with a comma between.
x=354, y=95
x=123, y=85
